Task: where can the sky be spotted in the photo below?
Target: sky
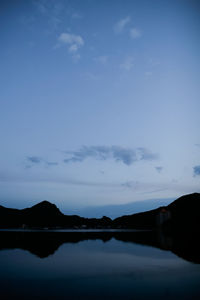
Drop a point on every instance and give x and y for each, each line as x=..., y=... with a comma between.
x=99, y=101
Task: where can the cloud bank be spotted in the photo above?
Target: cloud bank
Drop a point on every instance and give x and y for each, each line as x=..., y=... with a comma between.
x=127, y=156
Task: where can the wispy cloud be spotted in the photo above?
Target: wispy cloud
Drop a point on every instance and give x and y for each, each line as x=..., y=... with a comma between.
x=52, y=10
x=36, y=160
x=127, y=64
x=135, y=33
x=121, y=24
x=73, y=41
x=196, y=170
x=153, y=62
x=148, y=73
x=76, y=16
x=27, y=20
x=51, y=163
x=76, y=57
x=41, y=6
x=89, y=76
x=159, y=169
x=101, y=59
x=35, y=178
x=127, y=156
x=131, y=184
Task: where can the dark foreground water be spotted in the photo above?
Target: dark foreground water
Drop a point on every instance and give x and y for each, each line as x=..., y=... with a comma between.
x=95, y=266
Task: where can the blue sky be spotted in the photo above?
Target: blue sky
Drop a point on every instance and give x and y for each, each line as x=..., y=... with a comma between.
x=99, y=101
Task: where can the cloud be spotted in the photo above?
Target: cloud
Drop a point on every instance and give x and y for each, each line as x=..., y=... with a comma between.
x=127, y=64
x=76, y=16
x=131, y=184
x=148, y=73
x=49, y=7
x=76, y=57
x=73, y=48
x=27, y=20
x=101, y=59
x=51, y=163
x=119, y=154
x=73, y=41
x=52, y=10
x=36, y=160
x=36, y=178
x=153, y=62
x=41, y=6
x=135, y=33
x=90, y=76
x=196, y=170
x=159, y=169
x=121, y=24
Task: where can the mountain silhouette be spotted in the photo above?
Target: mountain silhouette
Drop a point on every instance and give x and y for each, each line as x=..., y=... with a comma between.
x=46, y=215
x=183, y=213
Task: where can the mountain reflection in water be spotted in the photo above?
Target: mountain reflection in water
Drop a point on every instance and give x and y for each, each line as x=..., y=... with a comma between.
x=45, y=243
x=98, y=265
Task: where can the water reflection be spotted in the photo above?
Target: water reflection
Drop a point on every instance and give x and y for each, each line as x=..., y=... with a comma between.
x=97, y=265
x=45, y=243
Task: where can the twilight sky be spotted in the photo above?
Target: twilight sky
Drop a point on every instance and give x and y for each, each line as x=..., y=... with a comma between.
x=99, y=101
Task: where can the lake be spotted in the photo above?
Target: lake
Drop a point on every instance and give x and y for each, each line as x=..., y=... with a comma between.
x=95, y=265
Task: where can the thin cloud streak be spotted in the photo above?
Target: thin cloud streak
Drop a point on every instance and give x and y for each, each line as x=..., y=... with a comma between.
x=135, y=187
x=36, y=160
x=30, y=178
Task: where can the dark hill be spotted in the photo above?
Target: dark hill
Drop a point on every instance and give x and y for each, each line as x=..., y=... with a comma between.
x=185, y=213
x=42, y=214
x=46, y=214
x=144, y=220
x=182, y=214
x=43, y=209
x=9, y=217
x=45, y=205
x=39, y=215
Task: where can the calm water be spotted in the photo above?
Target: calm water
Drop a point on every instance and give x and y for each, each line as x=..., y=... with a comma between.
x=95, y=269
